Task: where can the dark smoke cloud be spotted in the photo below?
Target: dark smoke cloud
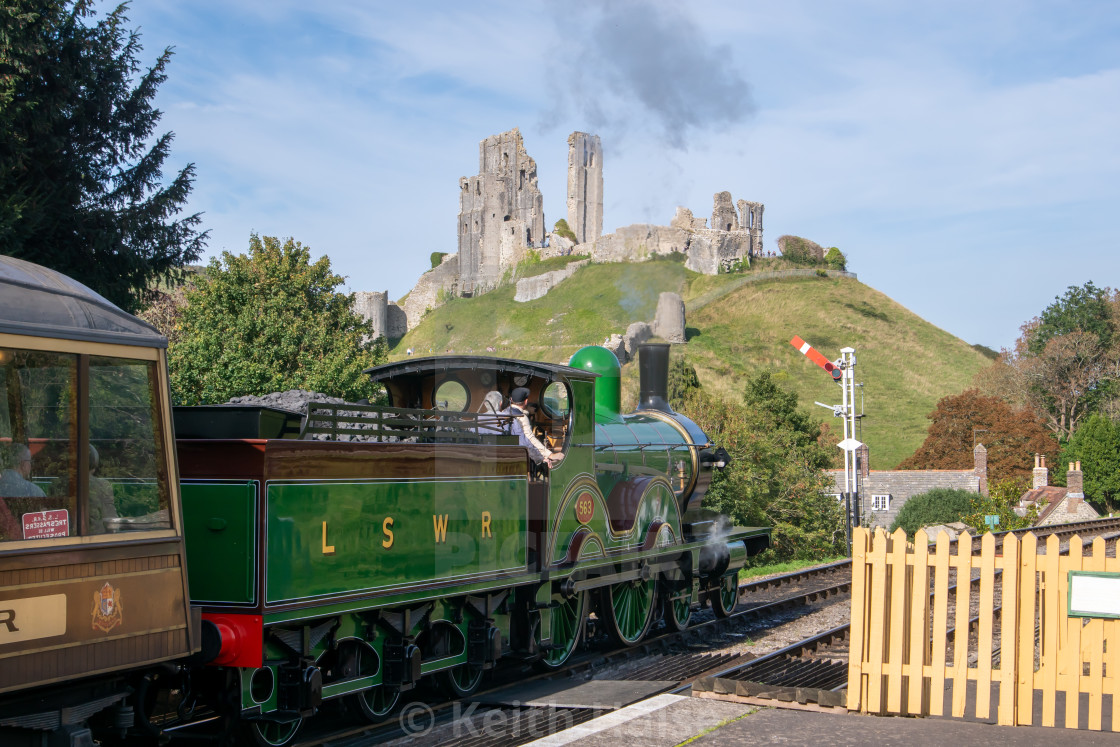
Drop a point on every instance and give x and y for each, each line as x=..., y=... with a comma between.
x=633, y=64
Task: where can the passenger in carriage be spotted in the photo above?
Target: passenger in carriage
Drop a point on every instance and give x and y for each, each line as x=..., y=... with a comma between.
x=523, y=429
x=14, y=483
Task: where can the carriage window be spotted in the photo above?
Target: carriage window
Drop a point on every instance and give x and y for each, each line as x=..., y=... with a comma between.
x=451, y=395
x=38, y=444
x=128, y=488
x=554, y=400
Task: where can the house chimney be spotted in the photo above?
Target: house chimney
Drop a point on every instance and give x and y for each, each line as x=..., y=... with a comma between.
x=1041, y=475
x=980, y=467
x=1074, y=487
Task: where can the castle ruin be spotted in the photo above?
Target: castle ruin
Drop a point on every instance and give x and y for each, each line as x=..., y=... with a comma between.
x=501, y=213
x=501, y=219
x=585, y=186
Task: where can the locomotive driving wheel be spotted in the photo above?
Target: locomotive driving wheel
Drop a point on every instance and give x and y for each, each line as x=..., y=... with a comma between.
x=725, y=596
x=678, y=609
x=377, y=702
x=629, y=609
x=273, y=733
x=462, y=680
x=374, y=703
x=567, y=627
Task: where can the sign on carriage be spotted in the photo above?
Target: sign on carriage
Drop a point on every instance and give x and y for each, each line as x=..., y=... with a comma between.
x=46, y=524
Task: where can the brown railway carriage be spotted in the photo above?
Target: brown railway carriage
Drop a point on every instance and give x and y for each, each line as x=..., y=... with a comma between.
x=92, y=566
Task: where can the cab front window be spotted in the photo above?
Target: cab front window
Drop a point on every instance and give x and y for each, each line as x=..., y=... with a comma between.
x=38, y=444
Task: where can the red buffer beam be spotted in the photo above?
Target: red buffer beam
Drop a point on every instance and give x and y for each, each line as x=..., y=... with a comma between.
x=816, y=357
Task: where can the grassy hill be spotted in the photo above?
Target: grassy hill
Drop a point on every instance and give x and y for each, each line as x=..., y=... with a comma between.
x=738, y=324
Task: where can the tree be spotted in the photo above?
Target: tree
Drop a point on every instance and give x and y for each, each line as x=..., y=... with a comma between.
x=1081, y=309
x=776, y=476
x=1096, y=444
x=1066, y=362
x=836, y=259
x=1003, y=496
x=81, y=171
x=682, y=380
x=271, y=321
x=962, y=420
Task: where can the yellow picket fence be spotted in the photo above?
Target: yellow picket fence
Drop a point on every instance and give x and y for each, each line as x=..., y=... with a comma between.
x=1010, y=632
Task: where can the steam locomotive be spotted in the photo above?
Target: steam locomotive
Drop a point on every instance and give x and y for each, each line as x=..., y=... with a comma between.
x=351, y=551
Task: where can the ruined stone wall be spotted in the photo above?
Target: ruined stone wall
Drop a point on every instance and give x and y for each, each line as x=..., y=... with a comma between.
x=374, y=308
x=388, y=319
x=585, y=186
x=750, y=220
x=638, y=242
x=501, y=212
x=724, y=217
x=432, y=289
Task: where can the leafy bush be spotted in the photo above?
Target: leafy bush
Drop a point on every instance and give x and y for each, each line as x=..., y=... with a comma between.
x=938, y=506
x=801, y=251
x=437, y=259
x=563, y=229
x=836, y=259
x=1002, y=498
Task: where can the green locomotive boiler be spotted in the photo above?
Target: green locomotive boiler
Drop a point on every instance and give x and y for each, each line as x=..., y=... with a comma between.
x=357, y=550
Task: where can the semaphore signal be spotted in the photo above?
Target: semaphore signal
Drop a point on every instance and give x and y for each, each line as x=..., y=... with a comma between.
x=842, y=371
x=810, y=352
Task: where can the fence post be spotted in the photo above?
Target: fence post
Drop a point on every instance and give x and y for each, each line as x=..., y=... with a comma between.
x=961, y=605
x=1094, y=638
x=916, y=690
x=1009, y=628
x=857, y=698
x=939, y=640
x=1070, y=667
x=877, y=620
x=896, y=621
x=984, y=633
x=1028, y=602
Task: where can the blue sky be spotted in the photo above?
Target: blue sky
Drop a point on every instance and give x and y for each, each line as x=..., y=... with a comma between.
x=962, y=154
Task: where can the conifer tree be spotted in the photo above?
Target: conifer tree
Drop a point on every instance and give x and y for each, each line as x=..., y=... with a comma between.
x=81, y=170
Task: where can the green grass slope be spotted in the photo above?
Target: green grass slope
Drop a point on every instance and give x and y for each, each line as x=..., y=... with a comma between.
x=585, y=309
x=905, y=363
x=735, y=328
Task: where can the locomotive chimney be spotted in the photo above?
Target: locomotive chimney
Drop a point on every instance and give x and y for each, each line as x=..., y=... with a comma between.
x=653, y=370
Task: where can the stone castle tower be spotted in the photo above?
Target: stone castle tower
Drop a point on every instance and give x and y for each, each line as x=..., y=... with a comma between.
x=585, y=186
x=501, y=212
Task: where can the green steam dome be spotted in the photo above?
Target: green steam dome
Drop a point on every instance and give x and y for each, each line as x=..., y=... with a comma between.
x=608, y=387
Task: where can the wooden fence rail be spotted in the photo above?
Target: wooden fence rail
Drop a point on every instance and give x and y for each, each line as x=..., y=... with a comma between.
x=1011, y=633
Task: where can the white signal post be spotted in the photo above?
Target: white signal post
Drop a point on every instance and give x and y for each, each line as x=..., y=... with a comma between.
x=842, y=371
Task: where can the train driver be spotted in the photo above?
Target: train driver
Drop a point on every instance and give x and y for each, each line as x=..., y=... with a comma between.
x=523, y=429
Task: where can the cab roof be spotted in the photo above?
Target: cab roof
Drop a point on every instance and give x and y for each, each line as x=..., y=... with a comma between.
x=445, y=363
x=40, y=302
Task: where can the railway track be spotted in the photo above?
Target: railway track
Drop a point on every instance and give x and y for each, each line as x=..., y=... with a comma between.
x=666, y=657
x=677, y=660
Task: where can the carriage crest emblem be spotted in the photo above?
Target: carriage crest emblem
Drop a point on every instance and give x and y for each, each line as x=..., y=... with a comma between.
x=107, y=610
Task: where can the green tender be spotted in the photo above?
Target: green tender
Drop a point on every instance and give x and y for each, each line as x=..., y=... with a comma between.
x=327, y=539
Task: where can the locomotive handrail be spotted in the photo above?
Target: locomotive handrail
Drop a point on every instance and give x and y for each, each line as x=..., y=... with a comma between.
x=376, y=423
